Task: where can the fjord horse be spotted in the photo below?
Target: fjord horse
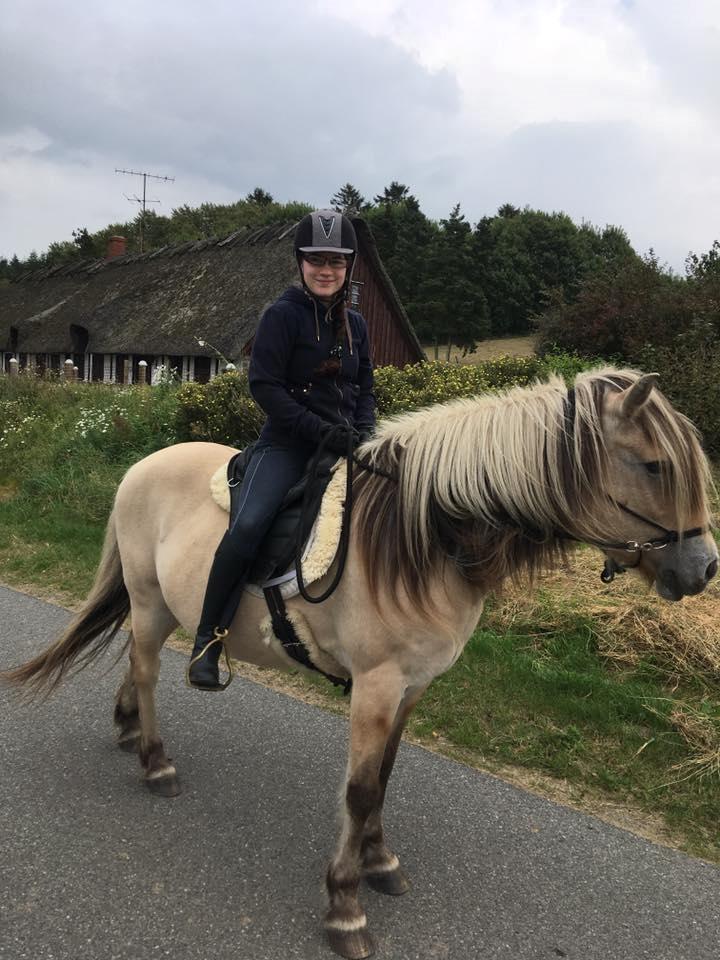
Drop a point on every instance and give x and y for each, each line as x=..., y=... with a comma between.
x=467, y=493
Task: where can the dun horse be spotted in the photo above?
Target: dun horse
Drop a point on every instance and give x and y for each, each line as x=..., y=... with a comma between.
x=466, y=494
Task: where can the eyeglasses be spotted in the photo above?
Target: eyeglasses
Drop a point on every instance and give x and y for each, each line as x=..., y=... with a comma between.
x=333, y=260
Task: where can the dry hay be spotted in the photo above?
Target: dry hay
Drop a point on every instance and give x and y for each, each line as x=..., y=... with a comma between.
x=630, y=624
x=629, y=621
x=700, y=732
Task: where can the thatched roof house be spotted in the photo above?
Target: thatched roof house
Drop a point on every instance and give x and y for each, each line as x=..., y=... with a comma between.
x=108, y=315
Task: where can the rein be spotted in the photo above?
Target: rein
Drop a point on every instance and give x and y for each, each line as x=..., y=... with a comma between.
x=346, y=515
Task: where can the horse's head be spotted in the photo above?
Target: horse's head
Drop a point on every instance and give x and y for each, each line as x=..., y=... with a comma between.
x=656, y=475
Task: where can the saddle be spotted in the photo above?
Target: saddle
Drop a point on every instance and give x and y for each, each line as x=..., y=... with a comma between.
x=318, y=524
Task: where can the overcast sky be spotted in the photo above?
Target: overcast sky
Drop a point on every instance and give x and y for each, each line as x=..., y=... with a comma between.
x=606, y=109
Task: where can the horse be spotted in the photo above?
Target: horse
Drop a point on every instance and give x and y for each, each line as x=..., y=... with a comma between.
x=448, y=502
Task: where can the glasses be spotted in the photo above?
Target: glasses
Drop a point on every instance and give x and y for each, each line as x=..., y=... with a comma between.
x=333, y=260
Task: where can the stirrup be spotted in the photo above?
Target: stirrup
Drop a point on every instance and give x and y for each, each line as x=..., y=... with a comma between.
x=219, y=634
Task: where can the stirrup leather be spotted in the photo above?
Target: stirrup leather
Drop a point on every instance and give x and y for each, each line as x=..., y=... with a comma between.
x=219, y=634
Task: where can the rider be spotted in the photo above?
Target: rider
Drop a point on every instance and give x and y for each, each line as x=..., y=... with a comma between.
x=310, y=371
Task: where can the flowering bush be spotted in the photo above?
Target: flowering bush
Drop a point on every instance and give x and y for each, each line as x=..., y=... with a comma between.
x=421, y=384
x=221, y=411
x=16, y=427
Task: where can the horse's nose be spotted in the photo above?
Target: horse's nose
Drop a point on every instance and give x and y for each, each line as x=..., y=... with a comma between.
x=712, y=569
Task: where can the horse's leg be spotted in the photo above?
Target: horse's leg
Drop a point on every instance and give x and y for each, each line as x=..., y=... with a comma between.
x=127, y=717
x=152, y=623
x=376, y=698
x=381, y=868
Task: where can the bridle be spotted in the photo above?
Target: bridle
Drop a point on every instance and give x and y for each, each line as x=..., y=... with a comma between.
x=638, y=547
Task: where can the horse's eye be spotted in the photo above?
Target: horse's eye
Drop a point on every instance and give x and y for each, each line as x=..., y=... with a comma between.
x=653, y=467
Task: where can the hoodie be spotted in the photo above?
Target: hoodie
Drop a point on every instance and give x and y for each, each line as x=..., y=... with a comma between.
x=295, y=336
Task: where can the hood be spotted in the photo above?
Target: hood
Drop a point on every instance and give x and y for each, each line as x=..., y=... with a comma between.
x=296, y=295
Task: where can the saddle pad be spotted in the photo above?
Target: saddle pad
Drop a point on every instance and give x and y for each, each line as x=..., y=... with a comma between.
x=321, y=546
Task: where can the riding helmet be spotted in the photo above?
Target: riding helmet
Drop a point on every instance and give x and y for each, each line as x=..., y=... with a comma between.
x=325, y=231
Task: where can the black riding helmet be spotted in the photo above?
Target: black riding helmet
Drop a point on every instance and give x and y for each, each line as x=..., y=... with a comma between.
x=326, y=231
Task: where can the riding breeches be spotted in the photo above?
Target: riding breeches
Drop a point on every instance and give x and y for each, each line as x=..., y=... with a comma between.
x=270, y=474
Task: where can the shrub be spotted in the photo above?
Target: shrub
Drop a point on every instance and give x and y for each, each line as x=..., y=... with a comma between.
x=221, y=411
x=69, y=443
x=619, y=314
x=421, y=384
x=690, y=377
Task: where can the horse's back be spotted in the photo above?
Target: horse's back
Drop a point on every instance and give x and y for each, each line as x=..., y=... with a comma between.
x=182, y=461
x=166, y=521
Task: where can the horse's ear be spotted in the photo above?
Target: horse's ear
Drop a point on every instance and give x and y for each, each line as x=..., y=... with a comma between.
x=636, y=395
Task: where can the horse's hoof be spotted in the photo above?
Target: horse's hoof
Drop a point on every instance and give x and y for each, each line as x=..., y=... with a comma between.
x=394, y=883
x=164, y=784
x=129, y=742
x=353, y=944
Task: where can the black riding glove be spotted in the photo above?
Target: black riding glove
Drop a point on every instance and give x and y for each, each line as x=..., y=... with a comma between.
x=337, y=439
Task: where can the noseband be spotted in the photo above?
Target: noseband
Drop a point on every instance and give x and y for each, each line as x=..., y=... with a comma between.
x=638, y=547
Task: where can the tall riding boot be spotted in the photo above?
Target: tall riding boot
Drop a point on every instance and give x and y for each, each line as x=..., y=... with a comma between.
x=226, y=577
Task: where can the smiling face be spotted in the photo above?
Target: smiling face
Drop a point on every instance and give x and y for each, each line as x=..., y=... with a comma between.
x=324, y=273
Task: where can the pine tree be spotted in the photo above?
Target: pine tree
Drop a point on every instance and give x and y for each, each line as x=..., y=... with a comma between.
x=349, y=200
x=453, y=282
x=259, y=196
x=395, y=193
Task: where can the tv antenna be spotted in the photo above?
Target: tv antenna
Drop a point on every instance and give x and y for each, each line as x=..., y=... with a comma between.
x=144, y=201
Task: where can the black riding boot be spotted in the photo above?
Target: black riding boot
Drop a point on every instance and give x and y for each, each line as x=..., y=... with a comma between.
x=227, y=576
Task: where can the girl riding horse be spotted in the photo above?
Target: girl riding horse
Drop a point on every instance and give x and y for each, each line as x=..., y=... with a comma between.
x=310, y=372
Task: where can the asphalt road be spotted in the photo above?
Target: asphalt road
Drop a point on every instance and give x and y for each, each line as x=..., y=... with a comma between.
x=93, y=867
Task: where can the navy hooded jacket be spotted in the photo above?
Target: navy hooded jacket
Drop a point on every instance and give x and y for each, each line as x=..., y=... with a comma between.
x=290, y=345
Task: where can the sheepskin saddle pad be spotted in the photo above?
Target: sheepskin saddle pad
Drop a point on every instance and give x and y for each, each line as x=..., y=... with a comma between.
x=322, y=524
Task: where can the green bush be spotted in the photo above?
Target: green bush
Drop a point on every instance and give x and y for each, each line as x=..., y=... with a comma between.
x=69, y=443
x=420, y=384
x=221, y=411
x=690, y=377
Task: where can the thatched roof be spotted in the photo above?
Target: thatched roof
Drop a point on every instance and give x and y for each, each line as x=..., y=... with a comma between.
x=162, y=301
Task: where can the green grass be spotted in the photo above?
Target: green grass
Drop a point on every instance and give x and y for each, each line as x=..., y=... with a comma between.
x=54, y=550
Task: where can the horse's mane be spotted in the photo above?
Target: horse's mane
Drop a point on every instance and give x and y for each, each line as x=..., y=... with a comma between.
x=498, y=484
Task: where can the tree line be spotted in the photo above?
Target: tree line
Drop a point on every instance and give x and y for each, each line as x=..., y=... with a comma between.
x=460, y=282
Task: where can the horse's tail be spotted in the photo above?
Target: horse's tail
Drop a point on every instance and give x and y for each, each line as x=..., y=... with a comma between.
x=89, y=632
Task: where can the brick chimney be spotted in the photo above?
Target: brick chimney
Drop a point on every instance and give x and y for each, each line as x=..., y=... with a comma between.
x=115, y=247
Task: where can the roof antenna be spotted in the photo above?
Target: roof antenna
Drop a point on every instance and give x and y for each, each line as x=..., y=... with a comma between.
x=134, y=199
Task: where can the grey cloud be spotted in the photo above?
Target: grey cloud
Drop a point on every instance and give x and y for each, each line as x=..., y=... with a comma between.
x=274, y=95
